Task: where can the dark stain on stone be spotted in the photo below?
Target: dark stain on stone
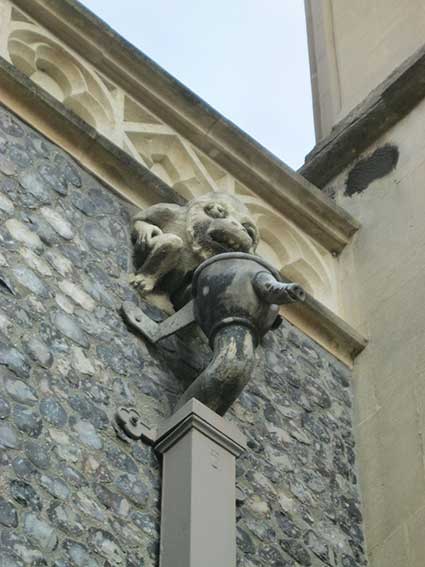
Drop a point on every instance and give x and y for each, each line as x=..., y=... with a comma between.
x=380, y=163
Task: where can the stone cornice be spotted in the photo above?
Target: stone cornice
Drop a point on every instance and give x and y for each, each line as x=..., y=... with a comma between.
x=380, y=110
x=326, y=328
x=189, y=115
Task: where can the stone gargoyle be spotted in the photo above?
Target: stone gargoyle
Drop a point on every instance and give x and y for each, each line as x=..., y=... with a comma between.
x=171, y=241
x=199, y=260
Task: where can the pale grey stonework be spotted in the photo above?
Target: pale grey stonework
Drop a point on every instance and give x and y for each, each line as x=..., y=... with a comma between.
x=72, y=492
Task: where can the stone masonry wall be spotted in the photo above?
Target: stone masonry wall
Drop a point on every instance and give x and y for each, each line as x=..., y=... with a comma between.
x=71, y=492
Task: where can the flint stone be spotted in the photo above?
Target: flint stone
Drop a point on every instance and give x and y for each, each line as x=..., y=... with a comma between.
x=28, y=421
x=81, y=363
x=8, y=514
x=42, y=533
x=79, y=554
x=4, y=409
x=37, y=146
x=30, y=281
x=64, y=303
x=25, y=495
x=121, y=460
x=66, y=519
x=9, y=559
x=147, y=523
x=89, y=411
x=105, y=544
x=58, y=223
x=105, y=205
x=55, y=486
x=7, y=166
x=60, y=263
x=77, y=294
x=89, y=507
x=68, y=170
x=118, y=504
x=73, y=476
x=10, y=125
x=20, y=232
x=6, y=204
x=35, y=262
x=83, y=203
x=88, y=435
x=69, y=327
x=39, y=352
x=33, y=184
x=20, y=391
x=53, y=412
x=98, y=237
x=53, y=178
x=24, y=468
x=22, y=546
x=44, y=230
x=297, y=551
x=134, y=489
x=37, y=454
x=8, y=438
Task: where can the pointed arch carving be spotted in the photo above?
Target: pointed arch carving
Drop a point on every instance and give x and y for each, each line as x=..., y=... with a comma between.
x=36, y=53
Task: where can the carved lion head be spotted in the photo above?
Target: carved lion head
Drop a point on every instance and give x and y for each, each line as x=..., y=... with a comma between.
x=218, y=222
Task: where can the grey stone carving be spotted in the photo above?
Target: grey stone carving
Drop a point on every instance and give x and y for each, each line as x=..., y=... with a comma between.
x=171, y=241
x=236, y=299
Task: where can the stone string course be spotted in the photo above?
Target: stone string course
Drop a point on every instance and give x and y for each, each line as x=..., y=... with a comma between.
x=71, y=492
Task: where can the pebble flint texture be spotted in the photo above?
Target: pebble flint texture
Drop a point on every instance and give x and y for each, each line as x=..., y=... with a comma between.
x=72, y=492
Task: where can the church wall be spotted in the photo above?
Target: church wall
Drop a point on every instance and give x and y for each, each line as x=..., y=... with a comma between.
x=71, y=492
x=354, y=46
x=384, y=300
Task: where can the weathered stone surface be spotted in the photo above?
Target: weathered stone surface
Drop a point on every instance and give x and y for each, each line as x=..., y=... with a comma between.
x=57, y=222
x=87, y=434
x=70, y=328
x=77, y=294
x=66, y=519
x=74, y=493
x=97, y=237
x=25, y=495
x=20, y=391
x=53, y=412
x=39, y=352
x=55, y=486
x=35, y=187
x=30, y=281
x=27, y=420
x=38, y=454
x=8, y=438
x=20, y=232
x=6, y=205
x=4, y=408
x=41, y=532
x=8, y=514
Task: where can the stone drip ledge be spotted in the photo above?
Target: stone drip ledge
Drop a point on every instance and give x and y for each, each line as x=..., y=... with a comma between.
x=326, y=328
x=126, y=176
x=190, y=116
x=386, y=105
